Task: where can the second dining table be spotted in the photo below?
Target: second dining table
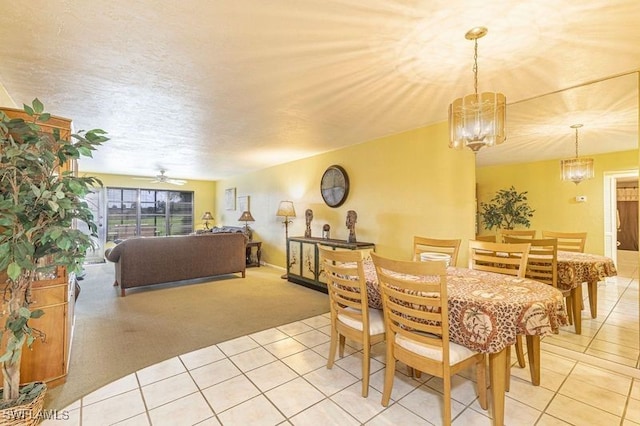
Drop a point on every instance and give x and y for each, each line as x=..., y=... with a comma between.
x=575, y=268
x=486, y=313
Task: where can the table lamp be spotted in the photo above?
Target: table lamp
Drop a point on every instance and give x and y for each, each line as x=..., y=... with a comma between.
x=246, y=218
x=207, y=217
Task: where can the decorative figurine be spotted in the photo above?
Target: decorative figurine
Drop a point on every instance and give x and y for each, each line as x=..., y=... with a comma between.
x=352, y=218
x=326, y=231
x=308, y=215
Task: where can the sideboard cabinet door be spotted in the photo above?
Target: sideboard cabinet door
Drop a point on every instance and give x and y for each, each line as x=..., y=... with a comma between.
x=303, y=259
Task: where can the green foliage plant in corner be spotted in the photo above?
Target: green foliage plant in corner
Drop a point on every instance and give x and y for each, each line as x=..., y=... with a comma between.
x=507, y=209
x=38, y=207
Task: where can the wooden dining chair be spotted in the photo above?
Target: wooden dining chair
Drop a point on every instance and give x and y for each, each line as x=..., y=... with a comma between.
x=425, y=244
x=351, y=317
x=519, y=233
x=568, y=241
x=501, y=258
x=542, y=266
x=486, y=238
x=414, y=298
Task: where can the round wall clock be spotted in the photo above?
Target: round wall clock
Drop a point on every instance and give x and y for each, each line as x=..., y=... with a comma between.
x=334, y=186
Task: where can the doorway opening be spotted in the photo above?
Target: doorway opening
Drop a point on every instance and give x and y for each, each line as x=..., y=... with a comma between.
x=615, y=225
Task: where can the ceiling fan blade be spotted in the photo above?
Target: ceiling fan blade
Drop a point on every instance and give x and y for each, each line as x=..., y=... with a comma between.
x=176, y=181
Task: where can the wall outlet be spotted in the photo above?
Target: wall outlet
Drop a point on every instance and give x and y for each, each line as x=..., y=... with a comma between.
x=581, y=198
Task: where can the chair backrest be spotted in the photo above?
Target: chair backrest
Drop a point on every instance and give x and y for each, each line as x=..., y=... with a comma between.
x=542, y=263
x=346, y=283
x=501, y=258
x=520, y=233
x=414, y=301
x=424, y=244
x=568, y=241
x=487, y=238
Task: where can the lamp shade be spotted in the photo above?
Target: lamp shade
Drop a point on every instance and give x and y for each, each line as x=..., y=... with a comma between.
x=286, y=209
x=479, y=119
x=579, y=168
x=246, y=217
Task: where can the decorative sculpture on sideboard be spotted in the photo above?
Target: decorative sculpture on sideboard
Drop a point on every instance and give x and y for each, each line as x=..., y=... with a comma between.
x=326, y=231
x=308, y=215
x=352, y=218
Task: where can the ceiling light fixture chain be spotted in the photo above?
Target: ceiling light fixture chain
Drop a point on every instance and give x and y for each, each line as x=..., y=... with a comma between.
x=475, y=66
x=577, y=126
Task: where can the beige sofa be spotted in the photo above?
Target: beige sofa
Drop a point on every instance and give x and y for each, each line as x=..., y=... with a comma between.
x=145, y=261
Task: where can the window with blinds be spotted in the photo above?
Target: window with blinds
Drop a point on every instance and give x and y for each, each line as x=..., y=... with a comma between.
x=148, y=212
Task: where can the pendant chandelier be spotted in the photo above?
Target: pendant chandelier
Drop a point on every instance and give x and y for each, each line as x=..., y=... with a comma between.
x=477, y=120
x=577, y=169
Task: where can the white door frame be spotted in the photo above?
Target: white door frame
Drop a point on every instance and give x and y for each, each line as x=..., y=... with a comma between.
x=96, y=202
x=610, y=210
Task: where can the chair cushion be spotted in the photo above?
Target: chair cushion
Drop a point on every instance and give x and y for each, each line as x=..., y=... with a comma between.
x=457, y=352
x=376, y=321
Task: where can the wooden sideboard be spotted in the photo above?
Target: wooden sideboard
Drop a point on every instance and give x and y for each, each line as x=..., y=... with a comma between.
x=48, y=360
x=54, y=124
x=303, y=260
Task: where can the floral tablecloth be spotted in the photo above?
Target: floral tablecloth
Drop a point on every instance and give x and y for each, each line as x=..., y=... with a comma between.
x=488, y=310
x=577, y=268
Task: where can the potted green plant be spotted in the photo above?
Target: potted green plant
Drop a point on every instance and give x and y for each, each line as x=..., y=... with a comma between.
x=38, y=208
x=507, y=209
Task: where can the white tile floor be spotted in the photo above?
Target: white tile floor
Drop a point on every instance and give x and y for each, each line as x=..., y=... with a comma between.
x=279, y=376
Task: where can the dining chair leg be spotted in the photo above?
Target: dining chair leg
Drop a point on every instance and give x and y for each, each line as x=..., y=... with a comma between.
x=592, y=287
x=333, y=345
x=342, y=343
x=389, y=373
x=366, y=365
x=568, y=303
x=533, y=353
x=520, y=352
x=576, y=295
x=446, y=417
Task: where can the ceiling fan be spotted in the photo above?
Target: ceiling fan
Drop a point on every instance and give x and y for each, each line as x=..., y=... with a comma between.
x=162, y=178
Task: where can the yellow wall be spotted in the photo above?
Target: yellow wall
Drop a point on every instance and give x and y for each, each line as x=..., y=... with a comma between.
x=556, y=208
x=400, y=186
x=204, y=191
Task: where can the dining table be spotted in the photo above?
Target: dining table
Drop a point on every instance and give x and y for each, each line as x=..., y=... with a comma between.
x=575, y=268
x=487, y=311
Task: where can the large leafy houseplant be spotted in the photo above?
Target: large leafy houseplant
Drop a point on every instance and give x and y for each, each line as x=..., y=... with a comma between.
x=39, y=205
x=507, y=209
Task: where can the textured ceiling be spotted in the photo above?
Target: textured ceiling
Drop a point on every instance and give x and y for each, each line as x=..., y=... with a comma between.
x=211, y=89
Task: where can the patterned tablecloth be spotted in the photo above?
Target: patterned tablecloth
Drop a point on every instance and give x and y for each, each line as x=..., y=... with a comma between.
x=577, y=268
x=488, y=310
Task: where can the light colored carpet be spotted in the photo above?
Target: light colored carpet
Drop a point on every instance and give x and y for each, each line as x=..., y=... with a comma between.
x=115, y=336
